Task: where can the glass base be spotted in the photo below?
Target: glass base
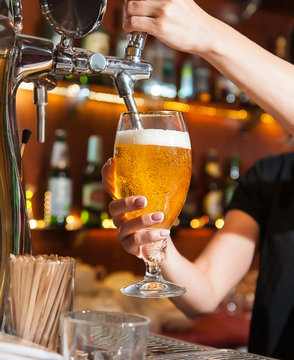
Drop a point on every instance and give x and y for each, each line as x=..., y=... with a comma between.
x=153, y=289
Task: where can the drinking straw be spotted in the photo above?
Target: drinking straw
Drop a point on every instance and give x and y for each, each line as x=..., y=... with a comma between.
x=41, y=288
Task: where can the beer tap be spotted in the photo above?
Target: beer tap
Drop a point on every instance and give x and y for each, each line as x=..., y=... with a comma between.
x=75, y=61
x=126, y=72
x=25, y=58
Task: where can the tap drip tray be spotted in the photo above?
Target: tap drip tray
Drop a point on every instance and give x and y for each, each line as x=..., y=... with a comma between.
x=166, y=348
x=73, y=18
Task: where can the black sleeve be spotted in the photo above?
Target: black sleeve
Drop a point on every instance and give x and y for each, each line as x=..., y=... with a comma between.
x=248, y=195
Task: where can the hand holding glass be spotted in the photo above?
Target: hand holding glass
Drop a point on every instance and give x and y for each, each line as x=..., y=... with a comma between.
x=154, y=162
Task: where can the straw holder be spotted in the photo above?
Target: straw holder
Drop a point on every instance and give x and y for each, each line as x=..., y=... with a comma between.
x=40, y=290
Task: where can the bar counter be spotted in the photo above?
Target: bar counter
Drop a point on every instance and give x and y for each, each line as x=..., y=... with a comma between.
x=100, y=248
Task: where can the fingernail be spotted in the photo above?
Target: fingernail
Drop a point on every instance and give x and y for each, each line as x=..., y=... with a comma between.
x=108, y=162
x=164, y=232
x=157, y=216
x=140, y=202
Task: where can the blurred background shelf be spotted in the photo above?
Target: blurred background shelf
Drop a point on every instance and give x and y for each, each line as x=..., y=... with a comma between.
x=85, y=107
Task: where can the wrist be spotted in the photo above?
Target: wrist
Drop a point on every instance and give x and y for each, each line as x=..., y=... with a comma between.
x=170, y=255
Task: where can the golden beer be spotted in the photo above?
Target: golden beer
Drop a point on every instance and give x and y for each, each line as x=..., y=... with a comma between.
x=154, y=163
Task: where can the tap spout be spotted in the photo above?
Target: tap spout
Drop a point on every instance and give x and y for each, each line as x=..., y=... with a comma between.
x=40, y=100
x=125, y=87
x=124, y=72
x=42, y=85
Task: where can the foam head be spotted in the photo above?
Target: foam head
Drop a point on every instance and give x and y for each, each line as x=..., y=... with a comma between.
x=157, y=137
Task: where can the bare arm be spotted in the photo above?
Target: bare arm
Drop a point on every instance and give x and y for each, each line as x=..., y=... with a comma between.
x=222, y=264
x=183, y=25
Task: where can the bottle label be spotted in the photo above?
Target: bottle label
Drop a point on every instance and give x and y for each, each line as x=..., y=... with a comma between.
x=213, y=169
x=61, y=189
x=94, y=196
x=60, y=156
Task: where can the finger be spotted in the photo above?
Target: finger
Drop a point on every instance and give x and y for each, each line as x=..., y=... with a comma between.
x=143, y=222
x=108, y=177
x=141, y=24
x=142, y=8
x=133, y=243
x=128, y=204
x=141, y=16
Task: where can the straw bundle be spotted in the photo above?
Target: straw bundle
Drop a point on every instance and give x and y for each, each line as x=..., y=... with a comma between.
x=40, y=289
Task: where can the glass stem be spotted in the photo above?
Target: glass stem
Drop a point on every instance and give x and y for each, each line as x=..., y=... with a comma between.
x=153, y=272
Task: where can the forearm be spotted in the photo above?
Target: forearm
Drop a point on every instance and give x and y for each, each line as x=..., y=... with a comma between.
x=265, y=78
x=221, y=265
x=200, y=297
x=183, y=25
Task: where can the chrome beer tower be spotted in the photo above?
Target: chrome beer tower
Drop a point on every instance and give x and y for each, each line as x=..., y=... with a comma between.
x=32, y=59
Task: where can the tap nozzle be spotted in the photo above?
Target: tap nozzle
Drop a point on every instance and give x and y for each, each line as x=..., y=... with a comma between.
x=40, y=99
x=125, y=87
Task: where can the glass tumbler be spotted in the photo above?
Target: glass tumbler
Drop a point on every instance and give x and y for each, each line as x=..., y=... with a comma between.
x=97, y=335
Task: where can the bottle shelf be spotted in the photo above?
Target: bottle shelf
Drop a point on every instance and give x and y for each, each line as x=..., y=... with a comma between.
x=248, y=116
x=210, y=125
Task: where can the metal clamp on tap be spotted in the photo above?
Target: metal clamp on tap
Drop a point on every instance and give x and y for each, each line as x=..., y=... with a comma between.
x=135, y=46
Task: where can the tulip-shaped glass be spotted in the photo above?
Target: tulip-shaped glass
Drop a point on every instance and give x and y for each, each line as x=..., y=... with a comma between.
x=153, y=161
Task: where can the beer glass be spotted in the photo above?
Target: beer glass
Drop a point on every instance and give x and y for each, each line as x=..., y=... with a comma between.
x=97, y=335
x=154, y=161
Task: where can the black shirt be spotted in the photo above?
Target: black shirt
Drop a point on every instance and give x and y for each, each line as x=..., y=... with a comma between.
x=266, y=192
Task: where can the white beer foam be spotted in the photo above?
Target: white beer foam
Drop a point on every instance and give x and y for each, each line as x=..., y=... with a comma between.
x=157, y=137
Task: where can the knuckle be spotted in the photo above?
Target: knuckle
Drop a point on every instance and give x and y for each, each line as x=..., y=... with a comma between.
x=144, y=220
x=128, y=203
x=132, y=22
x=151, y=236
x=164, y=10
x=137, y=238
x=132, y=7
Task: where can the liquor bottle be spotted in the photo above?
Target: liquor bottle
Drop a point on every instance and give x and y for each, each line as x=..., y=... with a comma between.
x=226, y=91
x=281, y=47
x=59, y=182
x=186, y=90
x=94, y=198
x=189, y=209
x=212, y=187
x=232, y=178
x=202, y=80
x=121, y=38
x=98, y=41
x=162, y=80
